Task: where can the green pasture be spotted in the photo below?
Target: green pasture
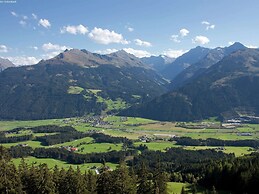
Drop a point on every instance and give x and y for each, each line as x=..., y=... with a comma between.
x=61, y=164
x=8, y=125
x=176, y=188
x=157, y=145
x=33, y=144
x=238, y=151
x=98, y=148
x=74, y=90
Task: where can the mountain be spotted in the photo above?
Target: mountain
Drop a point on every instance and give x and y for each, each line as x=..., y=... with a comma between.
x=77, y=82
x=191, y=57
x=228, y=89
x=5, y=63
x=159, y=63
x=193, y=71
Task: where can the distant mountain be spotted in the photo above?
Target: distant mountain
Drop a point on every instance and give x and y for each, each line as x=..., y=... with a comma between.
x=193, y=71
x=77, y=82
x=184, y=61
x=227, y=89
x=84, y=58
x=159, y=63
x=5, y=63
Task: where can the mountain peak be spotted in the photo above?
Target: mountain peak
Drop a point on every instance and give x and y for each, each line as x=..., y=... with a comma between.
x=234, y=47
x=5, y=63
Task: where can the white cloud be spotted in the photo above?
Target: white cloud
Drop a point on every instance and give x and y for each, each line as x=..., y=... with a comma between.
x=80, y=29
x=205, y=23
x=23, y=60
x=104, y=36
x=53, y=47
x=184, y=32
x=130, y=29
x=45, y=23
x=50, y=55
x=175, y=38
x=251, y=46
x=3, y=49
x=34, y=16
x=201, y=40
x=106, y=51
x=230, y=42
x=173, y=53
x=142, y=43
x=22, y=22
x=34, y=48
x=137, y=53
x=208, y=25
x=14, y=14
x=25, y=17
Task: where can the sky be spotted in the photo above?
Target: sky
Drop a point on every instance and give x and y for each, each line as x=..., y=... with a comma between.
x=31, y=30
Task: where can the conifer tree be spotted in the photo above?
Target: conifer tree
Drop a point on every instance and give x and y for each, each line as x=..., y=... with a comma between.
x=144, y=185
x=123, y=182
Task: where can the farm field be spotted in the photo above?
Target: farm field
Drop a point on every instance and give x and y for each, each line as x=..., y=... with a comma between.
x=61, y=164
x=132, y=128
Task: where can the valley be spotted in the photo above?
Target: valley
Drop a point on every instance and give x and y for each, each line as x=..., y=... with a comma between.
x=144, y=134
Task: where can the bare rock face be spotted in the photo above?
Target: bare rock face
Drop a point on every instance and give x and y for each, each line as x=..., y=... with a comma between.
x=5, y=63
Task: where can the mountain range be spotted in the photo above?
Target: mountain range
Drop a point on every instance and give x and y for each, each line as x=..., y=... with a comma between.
x=220, y=82
x=212, y=57
x=5, y=63
x=77, y=82
x=227, y=89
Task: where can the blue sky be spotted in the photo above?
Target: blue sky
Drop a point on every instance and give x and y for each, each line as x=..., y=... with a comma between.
x=34, y=29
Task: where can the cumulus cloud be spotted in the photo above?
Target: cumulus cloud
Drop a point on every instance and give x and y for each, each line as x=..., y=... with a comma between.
x=105, y=36
x=14, y=14
x=184, y=32
x=201, y=40
x=208, y=25
x=106, y=51
x=173, y=53
x=54, y=47
x=80, y=29
x=52, y=50
x=3, y=48
x=34, y=48
x=230, y=42
x=50, y=55
x=142, y=43
x=22, y=22
x=34, y=16
x=130, y=29
x=44, y=23
x=175, y=38
x=251, y=46
x=23, y=60
x=137, y=53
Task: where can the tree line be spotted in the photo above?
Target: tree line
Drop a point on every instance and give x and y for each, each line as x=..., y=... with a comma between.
x=187, y=141
x=41, y=179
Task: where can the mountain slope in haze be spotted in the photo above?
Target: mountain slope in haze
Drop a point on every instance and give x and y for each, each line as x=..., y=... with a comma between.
x=225, y=90
x=159, y=63
x=5, y=63
x=75, y=83
x=187, y=59
x=213, y=56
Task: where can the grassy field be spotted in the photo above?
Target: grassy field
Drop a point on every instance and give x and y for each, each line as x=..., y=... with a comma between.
x=176, y=188
x=158, y=145
x=132, y=128
x=74, y=90
x=52, y=162
x=7, y=125
x=98, y=148
x=238, y=151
